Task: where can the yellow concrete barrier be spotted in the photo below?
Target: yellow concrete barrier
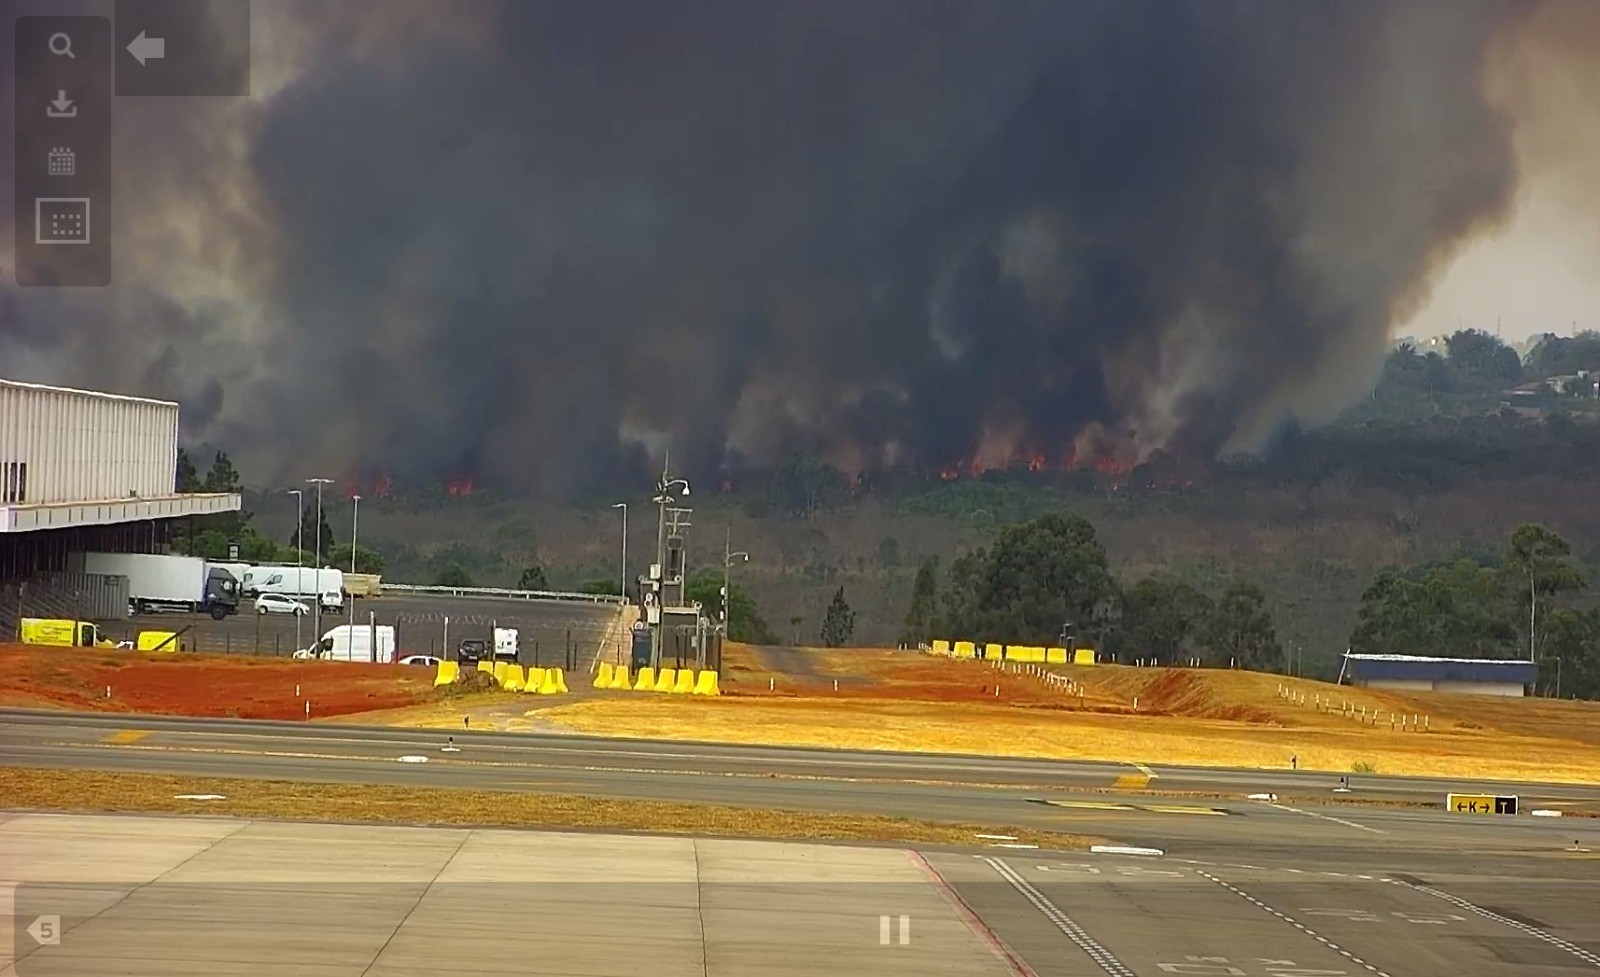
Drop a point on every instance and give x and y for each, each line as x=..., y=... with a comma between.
x=1015, y=653
x=498, y=670
x=486, y=666
x=1083, y=656
x=561, y=679
x=448, y=673
x=941, y=646
x=706, y=683
x=685, y=683
x=511, y=678
x=1055, y=656
x=554, y=682
x=619, y=678
x=534, y=679
x=993, y=651
x=602, y=676
x=964, y=649
x=646, y=681
x=665, y=679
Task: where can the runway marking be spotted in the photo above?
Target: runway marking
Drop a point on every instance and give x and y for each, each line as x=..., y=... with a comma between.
x=1099, y=954
x=1133, y=808
x=1325, y=817
x=1138, y=781
x=1587, y=956
x=1295, y=923
x=122, y=736
x=987, y=936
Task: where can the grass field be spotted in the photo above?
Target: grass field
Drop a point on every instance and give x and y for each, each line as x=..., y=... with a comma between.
x=903, y=701
x=73, y=790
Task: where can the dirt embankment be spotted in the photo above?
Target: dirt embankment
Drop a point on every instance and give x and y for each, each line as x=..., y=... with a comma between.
x=37, y=676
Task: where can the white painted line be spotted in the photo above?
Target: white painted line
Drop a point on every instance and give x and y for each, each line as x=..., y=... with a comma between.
x=998, y=837
x=1545, y=813
x=1088, y=944
x=1587, y=956
x=1124, y=850
x=1263, y=797
x=199, y=797
x=413, y=758
x=1012, y=845
x=1146, y=771
x=1325, y=817
x=1293, y=922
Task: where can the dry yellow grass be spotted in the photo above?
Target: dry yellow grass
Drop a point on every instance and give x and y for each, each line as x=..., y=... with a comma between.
x=1323, y=742
x=88, y=790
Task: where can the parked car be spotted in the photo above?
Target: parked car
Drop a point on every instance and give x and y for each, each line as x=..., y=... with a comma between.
x=427, y=661
x=279, y=604
x=471, y=651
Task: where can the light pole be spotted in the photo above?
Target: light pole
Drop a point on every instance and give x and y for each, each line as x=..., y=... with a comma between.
x=662, y=499
x=317, y=545
x=299, y=548
x=623, y=577
x=728, y=557
x=355, y=522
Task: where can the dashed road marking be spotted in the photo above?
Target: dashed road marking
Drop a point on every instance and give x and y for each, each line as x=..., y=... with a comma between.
x=1587, y=956
x=1295, y=923
x=1325, y=817
x=1102, y=957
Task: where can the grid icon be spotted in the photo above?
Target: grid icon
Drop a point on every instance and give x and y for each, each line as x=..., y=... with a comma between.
x=61, y=220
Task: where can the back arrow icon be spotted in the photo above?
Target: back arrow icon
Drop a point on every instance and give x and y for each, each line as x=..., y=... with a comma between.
x=147, y=48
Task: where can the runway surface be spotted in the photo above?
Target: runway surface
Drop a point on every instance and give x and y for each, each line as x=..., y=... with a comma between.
x=546, y=628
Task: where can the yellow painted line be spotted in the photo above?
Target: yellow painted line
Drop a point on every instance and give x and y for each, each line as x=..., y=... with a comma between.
x=1181, y=809
x=127, y=736
x=1092, y=805
x=1131, y=781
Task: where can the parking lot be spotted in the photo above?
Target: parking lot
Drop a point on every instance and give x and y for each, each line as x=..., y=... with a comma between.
x=550, y=632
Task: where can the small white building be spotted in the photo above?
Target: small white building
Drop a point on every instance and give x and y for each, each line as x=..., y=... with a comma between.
x=1462, y=676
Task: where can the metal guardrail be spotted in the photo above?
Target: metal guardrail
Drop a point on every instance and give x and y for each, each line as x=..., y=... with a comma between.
x=410, y=588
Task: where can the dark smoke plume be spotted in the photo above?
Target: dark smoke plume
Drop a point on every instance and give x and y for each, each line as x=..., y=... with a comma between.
x=545, y=241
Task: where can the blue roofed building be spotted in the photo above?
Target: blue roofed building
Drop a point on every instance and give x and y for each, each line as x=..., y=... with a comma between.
x=1463, y=676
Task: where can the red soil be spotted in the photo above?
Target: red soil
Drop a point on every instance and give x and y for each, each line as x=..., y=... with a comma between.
x=38, y=676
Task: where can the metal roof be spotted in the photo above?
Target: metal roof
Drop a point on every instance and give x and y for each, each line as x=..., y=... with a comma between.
x=1418, y=667
x=78, y=392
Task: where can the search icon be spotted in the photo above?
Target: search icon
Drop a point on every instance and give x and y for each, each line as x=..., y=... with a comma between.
x=62, y=44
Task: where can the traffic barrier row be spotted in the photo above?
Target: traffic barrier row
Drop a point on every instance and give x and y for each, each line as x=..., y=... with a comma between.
x=681, y=681
x=992, y=651
x=510, y=676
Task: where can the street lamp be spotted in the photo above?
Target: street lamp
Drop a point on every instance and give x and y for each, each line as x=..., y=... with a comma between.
x=728, y=558
x=317, y=545
x=623, y=578
x=299, y=548
x=355, y=522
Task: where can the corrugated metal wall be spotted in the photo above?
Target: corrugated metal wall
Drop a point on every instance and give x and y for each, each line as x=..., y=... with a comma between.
x=60, y=445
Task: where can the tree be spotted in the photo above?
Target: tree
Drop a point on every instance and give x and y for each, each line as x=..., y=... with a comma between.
x=453, y=575
x=1542, y=565
x=839, y=623
x=222, y=477
x=1037, y=577
x=1161, y=617
x=745, y=622
x=888, y=553
x=1569, y=660
x=1240, y=629
x=307, y=536
x=918, y=626
x=368, y=560
x=795, y=620
x=533, y=578
x=188, y=478
x=805, y=483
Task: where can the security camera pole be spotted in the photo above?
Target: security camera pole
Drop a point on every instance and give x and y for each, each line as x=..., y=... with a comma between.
x=658, y=572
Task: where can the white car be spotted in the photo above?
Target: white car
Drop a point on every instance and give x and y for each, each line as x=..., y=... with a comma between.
x=426, y=660
x=279, y=604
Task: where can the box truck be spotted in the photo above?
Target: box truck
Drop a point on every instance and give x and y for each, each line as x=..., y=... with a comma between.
x=62, y=633
x=360, y=643
x=159, y=583
x=326, y=585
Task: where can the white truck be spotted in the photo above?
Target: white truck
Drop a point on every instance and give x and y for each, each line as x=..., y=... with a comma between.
x=361, y=643
x=173, y=584
x=326, y=585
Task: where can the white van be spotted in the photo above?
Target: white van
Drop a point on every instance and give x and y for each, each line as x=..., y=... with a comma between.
x=326, y=585
x=355, y=644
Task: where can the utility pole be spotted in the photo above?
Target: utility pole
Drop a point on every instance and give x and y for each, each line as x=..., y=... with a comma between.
x=317, y=545
x=299, y=549
x=663, y=497
x=622, y=579
x=355, y=522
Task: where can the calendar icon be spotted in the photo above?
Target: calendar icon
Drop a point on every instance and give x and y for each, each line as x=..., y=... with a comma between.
x=61, y=220
x=61, y=161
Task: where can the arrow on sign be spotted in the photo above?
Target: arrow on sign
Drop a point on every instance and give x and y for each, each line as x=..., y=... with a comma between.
x=143, y=48
x=46, y=930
